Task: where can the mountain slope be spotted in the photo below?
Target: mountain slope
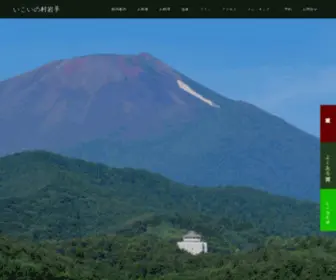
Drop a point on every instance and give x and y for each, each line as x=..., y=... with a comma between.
x=136, y=111
x=44, y=195
x=98, y=222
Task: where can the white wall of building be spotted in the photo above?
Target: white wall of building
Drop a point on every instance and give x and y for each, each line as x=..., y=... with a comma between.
x=205, y=248
x=193, y=247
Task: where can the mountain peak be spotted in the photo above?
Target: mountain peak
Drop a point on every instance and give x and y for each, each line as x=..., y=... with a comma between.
x=146, y=55
x=115, y=66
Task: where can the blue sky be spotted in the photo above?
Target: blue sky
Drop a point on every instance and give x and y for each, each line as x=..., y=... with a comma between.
x=287, y=67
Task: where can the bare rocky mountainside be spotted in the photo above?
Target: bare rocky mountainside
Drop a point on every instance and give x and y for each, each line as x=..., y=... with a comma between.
x=136, y=111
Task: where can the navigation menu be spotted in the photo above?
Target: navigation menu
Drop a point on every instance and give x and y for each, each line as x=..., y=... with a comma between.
x=328, y=168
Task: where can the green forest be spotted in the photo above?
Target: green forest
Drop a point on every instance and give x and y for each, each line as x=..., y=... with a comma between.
x=149, y=257
x=65, y=218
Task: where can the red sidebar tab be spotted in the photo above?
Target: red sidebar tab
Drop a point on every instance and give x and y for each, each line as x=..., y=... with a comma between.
x=328, y=123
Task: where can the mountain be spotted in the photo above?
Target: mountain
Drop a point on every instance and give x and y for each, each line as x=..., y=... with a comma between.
x=48, y=196
x=69, y=219
x=136, y=111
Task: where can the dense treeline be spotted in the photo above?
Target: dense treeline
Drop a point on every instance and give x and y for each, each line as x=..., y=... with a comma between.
x=148, y=257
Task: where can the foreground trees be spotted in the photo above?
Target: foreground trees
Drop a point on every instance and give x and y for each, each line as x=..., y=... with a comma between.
x=148, y=257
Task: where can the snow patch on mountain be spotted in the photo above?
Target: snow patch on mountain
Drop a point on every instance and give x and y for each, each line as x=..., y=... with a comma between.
x=189, y=90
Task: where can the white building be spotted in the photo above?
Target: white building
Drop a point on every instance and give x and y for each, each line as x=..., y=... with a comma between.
x=193, y=244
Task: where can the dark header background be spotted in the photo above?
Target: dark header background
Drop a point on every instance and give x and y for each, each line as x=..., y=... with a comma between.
x=187, y=9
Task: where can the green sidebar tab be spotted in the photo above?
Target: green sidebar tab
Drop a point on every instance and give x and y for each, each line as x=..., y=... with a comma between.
x=328, y=209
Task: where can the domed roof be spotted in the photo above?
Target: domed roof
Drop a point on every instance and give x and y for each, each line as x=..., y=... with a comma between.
x=192, y=234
